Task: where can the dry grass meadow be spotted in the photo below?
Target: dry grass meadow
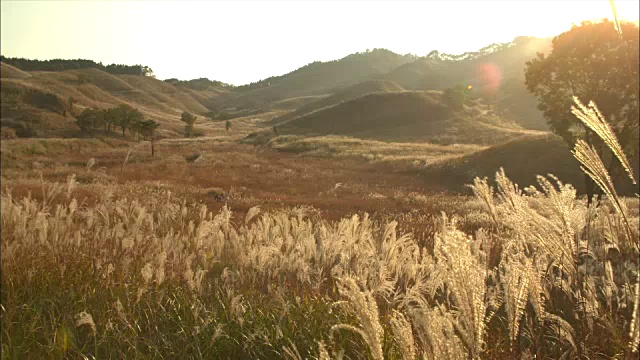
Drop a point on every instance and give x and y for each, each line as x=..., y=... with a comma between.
x=214, y=249
x=350, y=209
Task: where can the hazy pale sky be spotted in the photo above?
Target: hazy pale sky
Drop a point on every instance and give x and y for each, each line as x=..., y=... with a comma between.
x=244, y=41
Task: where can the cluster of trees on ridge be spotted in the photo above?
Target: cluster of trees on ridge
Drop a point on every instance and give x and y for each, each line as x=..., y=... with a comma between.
x=198, y=84
x=61, y=65
x=124, y=117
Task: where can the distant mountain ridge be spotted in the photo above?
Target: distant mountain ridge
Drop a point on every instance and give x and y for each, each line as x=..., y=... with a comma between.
x=93, y=85
x=436, y=55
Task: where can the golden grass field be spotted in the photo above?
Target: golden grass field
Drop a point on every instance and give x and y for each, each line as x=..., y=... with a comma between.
x=325, y=247
x=322, y=221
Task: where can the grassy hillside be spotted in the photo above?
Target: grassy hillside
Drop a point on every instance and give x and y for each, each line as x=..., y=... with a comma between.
x=156, y=99
x=11, y=72
x=351, y=92
x=406, y=116
x=522, y=159
x=323, y=77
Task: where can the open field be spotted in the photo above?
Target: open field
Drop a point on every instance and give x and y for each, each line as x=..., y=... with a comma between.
x=217, y=249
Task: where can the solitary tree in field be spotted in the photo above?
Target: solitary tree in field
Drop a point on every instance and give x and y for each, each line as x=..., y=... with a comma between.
x=593, y=62
x=227, y=125
x=148, y=131
x=189, y=119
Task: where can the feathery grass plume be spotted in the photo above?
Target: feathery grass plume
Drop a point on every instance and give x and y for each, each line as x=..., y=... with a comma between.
x=71, y=184
x=593, y=119
x=126, y=158
x=436, y=330
x=323, y=354
x=84, y=318
x=515, y=286
x=362, y=304
x=90, y=164
x=592, y=166
x=484, y=193
x=251, y=213
x=147, y=273
x=403, y=334
x=466, y=282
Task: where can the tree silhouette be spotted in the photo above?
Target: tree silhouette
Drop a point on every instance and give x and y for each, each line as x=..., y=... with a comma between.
x=148, y=130
x=90, y=120
x=593, y=62
x=126, y=116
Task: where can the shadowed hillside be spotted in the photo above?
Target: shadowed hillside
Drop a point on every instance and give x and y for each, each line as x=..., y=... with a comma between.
x=522, y=159
x=406, y=116
x=352, y=92
x=506, y=62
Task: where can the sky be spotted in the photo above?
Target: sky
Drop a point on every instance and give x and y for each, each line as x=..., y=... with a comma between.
x=239, y=42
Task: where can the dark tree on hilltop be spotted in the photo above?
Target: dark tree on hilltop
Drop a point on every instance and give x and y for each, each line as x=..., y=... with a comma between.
x=593, y=62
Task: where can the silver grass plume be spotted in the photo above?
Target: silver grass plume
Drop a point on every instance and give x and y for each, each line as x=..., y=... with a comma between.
x=362, y=304
x=593, y=119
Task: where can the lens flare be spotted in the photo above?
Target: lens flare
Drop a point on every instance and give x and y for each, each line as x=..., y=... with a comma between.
x=490, y=77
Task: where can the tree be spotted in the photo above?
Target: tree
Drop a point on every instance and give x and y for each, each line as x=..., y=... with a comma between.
x=111, y=118
x=147, y=130
x=456, y=97
x=90, y=120
x=227, y=125
x=593, y=62
x=127, y=116
x=136, y=128
x=189, y=119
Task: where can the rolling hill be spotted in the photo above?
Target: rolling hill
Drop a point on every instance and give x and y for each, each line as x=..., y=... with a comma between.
x=406, y=116
x=351, y=92
x=322, y=77
x=91, y=87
